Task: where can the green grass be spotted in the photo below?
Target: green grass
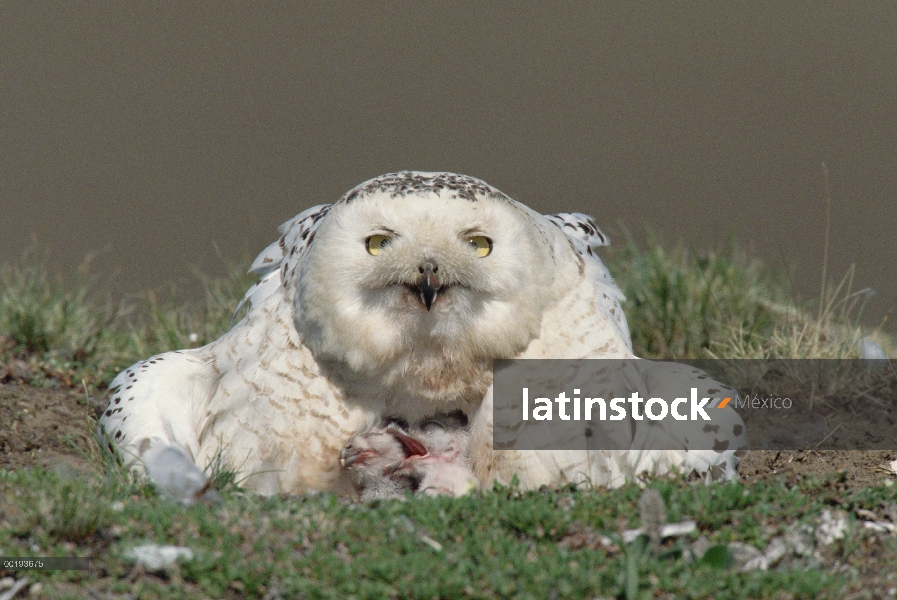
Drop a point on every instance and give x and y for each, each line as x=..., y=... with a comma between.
x=67, y=326
x=500, y=543
x=721, y=303
x=681, y=303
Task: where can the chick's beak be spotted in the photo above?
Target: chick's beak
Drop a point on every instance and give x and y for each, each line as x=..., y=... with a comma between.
x=349, y=456
x=412, y=445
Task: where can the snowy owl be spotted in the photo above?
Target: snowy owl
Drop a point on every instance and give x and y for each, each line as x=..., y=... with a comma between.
x=392, y=303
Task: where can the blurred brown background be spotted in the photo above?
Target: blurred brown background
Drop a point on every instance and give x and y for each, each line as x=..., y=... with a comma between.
x=152, y=131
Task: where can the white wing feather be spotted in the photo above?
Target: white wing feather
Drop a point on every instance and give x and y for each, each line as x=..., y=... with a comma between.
x=155, y=394
x=586, y=238
x=270, y=265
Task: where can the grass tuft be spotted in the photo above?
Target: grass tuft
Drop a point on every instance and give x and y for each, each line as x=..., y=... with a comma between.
x=54, y=509
x=834, y=331
x=721, y=303
x=43, y=314
x=60, y=329
x=681, y=303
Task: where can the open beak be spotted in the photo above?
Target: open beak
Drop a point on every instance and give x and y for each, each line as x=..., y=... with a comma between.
x=429, y=287
x=413, y=446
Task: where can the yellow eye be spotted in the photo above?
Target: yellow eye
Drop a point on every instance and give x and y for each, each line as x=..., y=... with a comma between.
x=376, y=243
x=481, y=244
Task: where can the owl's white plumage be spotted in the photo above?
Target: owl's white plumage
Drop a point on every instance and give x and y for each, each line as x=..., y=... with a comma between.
x=337, y=338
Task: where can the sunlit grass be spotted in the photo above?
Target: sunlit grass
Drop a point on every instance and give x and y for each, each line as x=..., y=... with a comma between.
x=721, y=303
x=832, y=331
x=65, y=324
x=41, y=313
x=681, y=303
x=495, y=543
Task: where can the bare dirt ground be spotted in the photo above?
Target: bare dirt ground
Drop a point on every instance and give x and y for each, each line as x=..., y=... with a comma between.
x=860, y=468
x=53, y=428
x=47, y=428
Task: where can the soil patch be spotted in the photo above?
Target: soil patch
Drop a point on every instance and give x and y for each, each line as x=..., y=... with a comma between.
x=860, y=468
x=46, y=428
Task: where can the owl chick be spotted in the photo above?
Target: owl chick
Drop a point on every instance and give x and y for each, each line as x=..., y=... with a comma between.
x=368, y=457
x=442, y=467
x=428, y=458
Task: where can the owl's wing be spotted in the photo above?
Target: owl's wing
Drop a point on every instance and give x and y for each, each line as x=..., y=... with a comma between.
x=712, y=449
x=278, y=259
x=586, y=238
x=581, y=229
x=153, y=418
x=159, y=411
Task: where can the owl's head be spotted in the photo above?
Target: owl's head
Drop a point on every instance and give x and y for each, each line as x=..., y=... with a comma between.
x=414, y=272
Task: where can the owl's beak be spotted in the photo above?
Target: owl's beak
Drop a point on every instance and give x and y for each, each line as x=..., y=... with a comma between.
x=428, y=288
